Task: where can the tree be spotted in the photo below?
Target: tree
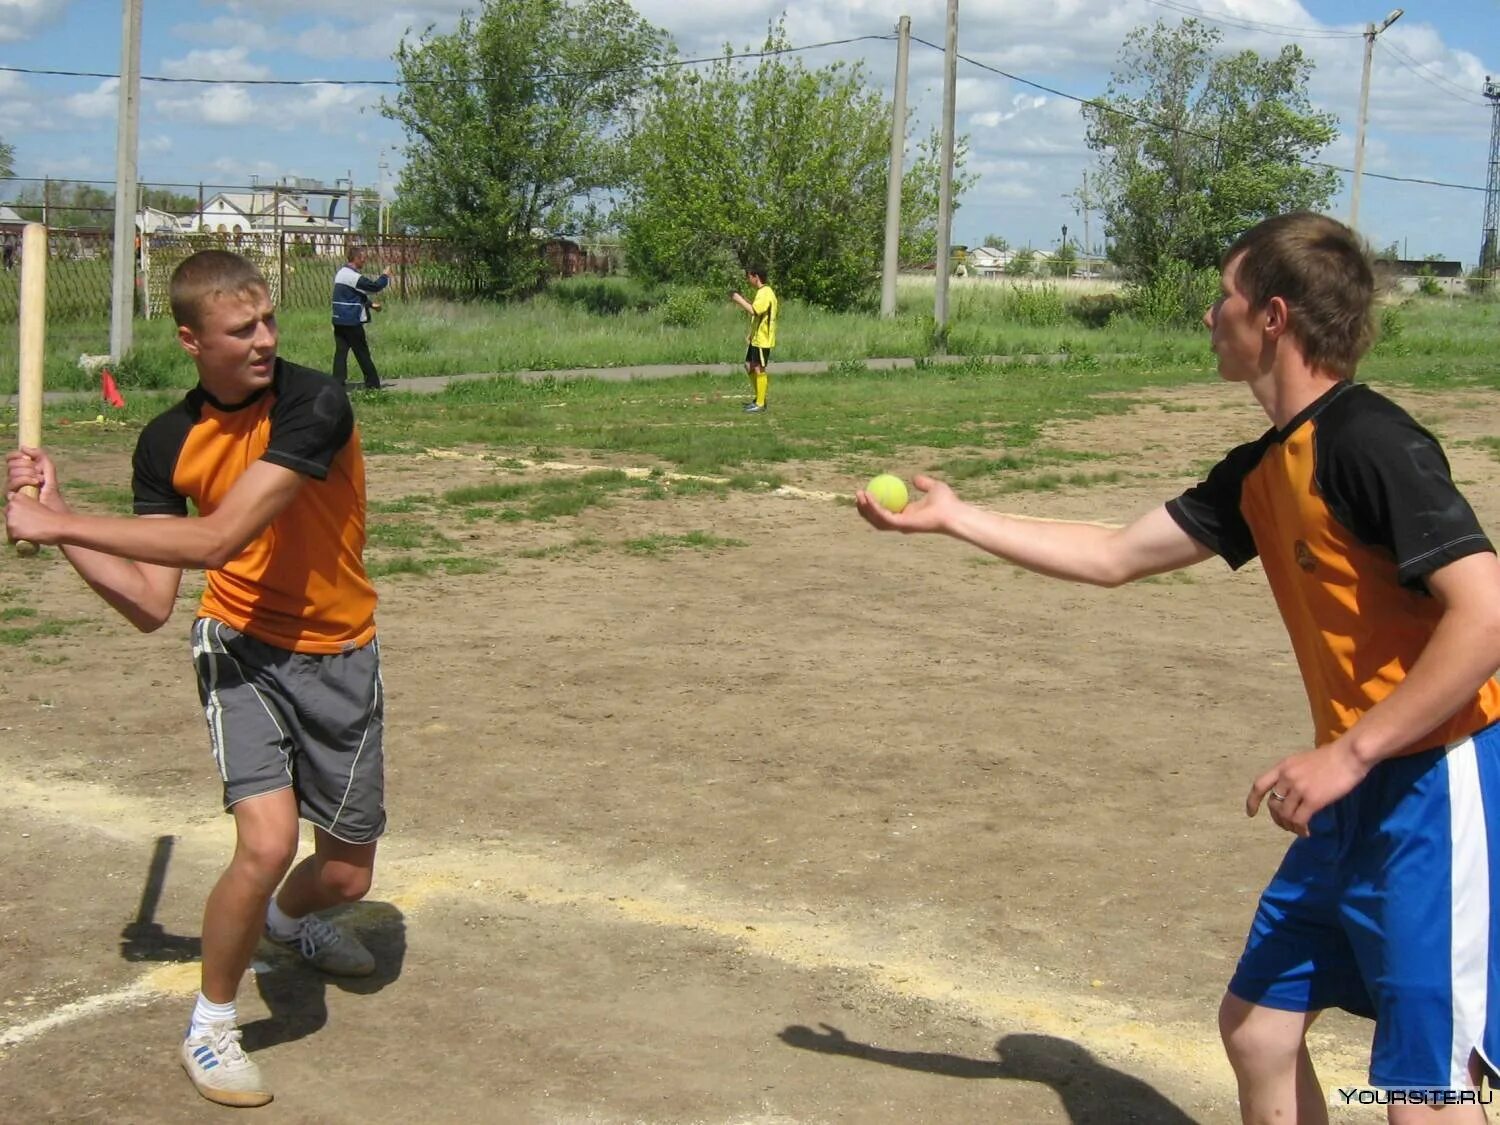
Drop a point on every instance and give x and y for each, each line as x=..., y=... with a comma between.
x=1064, y=262
x=7, y=160
x=512, y=124
x=776, y=165
x=1194, y=149
x=67, y=205
x=996, y=242
x=1022, y=264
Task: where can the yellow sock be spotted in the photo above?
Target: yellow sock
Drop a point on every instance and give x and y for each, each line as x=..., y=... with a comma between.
x=761, y=379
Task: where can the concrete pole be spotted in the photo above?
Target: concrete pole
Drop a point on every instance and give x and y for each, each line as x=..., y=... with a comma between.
x=893, y=189
x=1371, y=31
x=122, y=289
x=945, y=182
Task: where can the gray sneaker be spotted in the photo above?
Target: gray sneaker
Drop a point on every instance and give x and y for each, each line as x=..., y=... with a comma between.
x=324, y=946
x=220, y=1070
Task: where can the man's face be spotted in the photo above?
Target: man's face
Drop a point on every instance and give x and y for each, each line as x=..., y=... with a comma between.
x=1237, y=332
x=753, y=280
x=357, y=259
x=234, y=345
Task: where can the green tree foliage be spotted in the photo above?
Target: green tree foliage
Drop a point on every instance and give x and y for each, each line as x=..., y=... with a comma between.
x=1195, y=148
x=7, y=159
x=773, y=164
x=1022, y=264
x=512, y=123
x=67, y=205
x=1064, y=262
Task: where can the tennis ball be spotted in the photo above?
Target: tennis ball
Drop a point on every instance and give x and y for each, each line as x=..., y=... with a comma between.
x=889, y=491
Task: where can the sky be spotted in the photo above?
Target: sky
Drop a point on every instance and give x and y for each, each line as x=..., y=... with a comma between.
x=1428, y=118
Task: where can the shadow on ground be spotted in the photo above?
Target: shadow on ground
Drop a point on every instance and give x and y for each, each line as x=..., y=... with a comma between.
x=1092, y=1092
x=295, y=993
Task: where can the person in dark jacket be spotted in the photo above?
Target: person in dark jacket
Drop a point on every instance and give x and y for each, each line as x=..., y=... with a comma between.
x=352, y=301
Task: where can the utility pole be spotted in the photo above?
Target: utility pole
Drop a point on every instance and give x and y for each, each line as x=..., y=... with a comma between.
x=893, y=188
x=122, y=288
x=945, y=181
x=1489, y=252
x=1371, y=31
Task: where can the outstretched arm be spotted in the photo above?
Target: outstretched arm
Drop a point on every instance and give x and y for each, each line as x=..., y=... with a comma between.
x=1079, y=552
x=739, y=299
x=206, y=543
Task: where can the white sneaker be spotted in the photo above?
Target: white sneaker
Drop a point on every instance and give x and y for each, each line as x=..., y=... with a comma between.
x=220, y=1070
x=324, y=946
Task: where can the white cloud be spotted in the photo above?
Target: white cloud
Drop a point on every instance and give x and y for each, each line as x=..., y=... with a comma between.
x=100, y=103
x=250, y=34
x=223, y=63
x=21, y=19
x=210, y=105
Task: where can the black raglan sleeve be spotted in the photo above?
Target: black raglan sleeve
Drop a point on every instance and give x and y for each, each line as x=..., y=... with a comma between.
x=155, y=463
x=1210, y=510
x=311, y=420
x=1387, y=480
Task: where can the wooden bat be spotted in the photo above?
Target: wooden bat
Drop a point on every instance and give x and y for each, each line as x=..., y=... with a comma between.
x=33, y=344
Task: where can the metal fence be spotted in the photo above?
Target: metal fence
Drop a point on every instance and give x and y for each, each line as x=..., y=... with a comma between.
x=78, y=273
x=299, y=268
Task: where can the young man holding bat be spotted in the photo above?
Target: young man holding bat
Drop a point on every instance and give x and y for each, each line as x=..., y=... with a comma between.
x=284, y=642
x=1390, y=592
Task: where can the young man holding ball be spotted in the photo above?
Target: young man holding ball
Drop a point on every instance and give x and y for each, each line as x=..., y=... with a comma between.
x=284, y=642
x=1390, y=591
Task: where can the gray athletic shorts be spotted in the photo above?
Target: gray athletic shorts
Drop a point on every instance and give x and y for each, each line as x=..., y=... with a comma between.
x=308, y=722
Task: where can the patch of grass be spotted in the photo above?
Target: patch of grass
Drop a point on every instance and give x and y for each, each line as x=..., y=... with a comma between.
x=400, y=565
x=1490, y=445
x=412, y=503
x=53, y=627
x=105, y=495
x=406, y=535
x=1051, y=482
x=688, y=541
x=16, y=612
x=586, y=545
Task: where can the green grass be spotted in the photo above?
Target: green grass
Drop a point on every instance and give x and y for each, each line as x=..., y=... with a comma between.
x=406, y=565
x=968, y=419
x=51, y=627
x=690, y=541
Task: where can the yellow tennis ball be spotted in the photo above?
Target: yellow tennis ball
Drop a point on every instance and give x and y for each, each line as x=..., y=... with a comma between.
x=889, y=491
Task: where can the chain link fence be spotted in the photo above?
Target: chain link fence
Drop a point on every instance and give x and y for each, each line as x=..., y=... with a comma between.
x=298, y=268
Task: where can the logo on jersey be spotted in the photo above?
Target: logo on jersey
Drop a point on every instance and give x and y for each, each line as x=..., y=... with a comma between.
x=1305, y=558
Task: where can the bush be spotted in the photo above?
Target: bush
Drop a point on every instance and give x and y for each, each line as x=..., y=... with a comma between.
x=1036, y=306
x=1176, y=295
x=602, y=296
x=1096, y=310
x=1427, y=283
x=683, y=308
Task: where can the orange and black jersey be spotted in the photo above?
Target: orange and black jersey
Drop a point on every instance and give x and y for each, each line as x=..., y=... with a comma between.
x=1350, y=507
x=301, y=584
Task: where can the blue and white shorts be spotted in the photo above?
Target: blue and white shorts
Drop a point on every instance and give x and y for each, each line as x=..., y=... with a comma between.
x=1386, y=910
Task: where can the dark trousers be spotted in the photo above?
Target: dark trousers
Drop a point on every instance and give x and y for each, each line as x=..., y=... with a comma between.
x=351, y=337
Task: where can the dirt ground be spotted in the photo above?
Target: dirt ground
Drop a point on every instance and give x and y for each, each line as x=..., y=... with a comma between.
x=825, y=826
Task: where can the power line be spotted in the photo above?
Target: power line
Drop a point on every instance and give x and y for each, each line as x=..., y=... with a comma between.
x=1166, y=128
x=671, y=64
x=1431, y=77
x=1255, y=25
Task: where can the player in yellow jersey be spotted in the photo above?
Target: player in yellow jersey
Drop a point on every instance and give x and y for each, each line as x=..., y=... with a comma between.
x=764, y=310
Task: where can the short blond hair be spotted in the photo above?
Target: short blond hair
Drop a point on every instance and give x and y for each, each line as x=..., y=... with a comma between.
x=201, y=277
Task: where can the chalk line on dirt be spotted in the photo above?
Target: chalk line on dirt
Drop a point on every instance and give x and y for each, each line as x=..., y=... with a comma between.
x=917, y=963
